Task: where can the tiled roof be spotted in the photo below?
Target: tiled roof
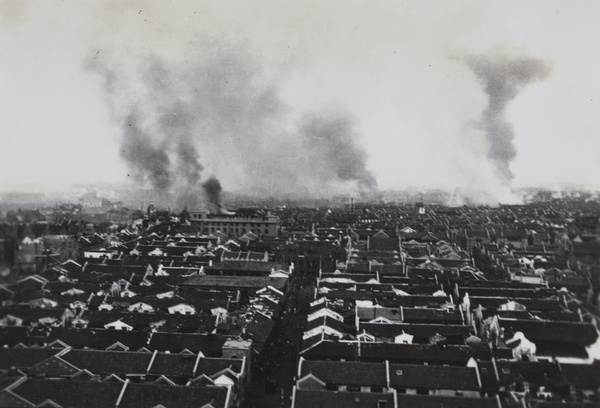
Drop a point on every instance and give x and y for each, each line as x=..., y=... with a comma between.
x=434, y=401
x=23, y=358
x=174, y=365
x=346, y=373
x=580, y=333
x=104, y=394
x=109, y=362
x=420, y=331
x=334, y=399
x=143, y=395
x=433, y=377
x=209, y=344
x=70, y=393
x=249, y=282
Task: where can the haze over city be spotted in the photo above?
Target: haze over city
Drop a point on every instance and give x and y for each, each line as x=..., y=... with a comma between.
x=310, y=97
x=303, y=204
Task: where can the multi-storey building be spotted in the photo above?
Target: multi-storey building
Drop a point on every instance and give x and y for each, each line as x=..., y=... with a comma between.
x=235, y=226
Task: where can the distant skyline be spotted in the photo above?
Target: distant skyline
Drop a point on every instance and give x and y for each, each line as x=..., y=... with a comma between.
x=310, y=96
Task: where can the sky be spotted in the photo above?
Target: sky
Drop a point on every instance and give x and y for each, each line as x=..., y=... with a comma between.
x=309, y=96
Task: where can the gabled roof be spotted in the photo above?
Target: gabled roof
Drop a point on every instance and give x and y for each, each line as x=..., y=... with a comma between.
x=435, y=401
x=57, y=344
x=109, y=362
x=98, y=338
x=310, y=378
x=23, y=358
x=88, y=394
x=143, y=395
x=118, y=323
x=580, y=333
x=162, y=380
x=421, y=331
x=113, y=378
x=346, y=373
x=399, y=353
x=433, y=377
x=83, y=375
x=380, y=234
x=48, y=404
x=10, y=399
x=335, y=399
x=117, y=346
x=55, y=366
x=201, y=380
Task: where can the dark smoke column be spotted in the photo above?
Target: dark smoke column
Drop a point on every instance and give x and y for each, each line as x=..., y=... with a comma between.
x=331, y=142
x=145, y=157
x=212, y=189
x=503, y=78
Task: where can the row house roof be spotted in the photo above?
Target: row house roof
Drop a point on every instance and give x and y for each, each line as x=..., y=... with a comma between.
x=396, y=352
x=103, y=394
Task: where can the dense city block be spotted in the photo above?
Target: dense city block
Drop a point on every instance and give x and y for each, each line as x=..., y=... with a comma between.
x=353, y=305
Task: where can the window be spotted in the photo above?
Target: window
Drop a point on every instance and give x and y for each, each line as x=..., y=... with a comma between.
x=381, y=404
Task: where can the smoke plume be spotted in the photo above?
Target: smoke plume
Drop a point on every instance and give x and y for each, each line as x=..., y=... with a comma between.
x=331, y=141
x=147, y=159
x=503, y=78
x=220, y=112
x=212, y=188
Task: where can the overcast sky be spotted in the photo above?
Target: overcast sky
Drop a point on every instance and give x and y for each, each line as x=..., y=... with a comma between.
x=405, y=80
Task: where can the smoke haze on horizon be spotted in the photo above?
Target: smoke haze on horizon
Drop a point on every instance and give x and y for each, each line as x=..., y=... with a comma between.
x=311, y=97
x=217, y=110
